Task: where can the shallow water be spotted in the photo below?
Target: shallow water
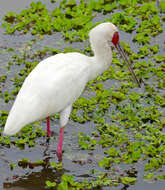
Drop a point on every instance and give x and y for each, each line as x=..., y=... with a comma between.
x=76, y=162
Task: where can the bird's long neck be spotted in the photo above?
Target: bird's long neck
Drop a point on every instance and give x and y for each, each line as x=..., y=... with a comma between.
x=102, y=58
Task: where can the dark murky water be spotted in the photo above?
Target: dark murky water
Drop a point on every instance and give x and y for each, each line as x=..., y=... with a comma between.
x=34, y=179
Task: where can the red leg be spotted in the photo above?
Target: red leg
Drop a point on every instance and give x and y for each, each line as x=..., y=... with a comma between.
x=48, y=127
x=60, y=142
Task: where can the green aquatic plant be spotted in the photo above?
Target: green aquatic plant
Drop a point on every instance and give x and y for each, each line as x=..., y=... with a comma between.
x=128, y=180
x=162, y=6
x=56, y=166
x=125, y=23
x=86, y=142
x=50, y=184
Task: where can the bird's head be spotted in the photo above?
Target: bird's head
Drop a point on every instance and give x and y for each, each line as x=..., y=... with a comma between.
x=105, y=32
x=108, y=32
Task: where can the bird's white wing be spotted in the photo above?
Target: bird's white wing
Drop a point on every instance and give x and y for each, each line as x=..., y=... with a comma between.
x=55, y=83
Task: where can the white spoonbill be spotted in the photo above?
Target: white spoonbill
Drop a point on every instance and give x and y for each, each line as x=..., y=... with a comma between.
x=56, y=82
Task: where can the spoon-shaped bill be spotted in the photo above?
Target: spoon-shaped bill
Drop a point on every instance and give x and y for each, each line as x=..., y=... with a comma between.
x=122, y=53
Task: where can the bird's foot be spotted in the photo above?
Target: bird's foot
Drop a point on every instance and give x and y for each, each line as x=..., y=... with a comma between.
x=49, y=133
x=59, y=156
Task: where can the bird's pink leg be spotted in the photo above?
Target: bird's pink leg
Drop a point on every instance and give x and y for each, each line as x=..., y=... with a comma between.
x=48, y=127
x=60, y=142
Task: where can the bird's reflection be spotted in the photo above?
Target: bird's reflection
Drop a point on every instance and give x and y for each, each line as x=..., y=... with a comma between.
x=36, y=179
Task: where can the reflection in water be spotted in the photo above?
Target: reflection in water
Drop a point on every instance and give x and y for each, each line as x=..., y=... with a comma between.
x=3, y=156
x=125, y=187
x=36, y=179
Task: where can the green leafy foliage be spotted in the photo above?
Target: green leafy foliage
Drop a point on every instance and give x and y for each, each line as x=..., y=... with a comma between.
x=128, y=180
x=86, y=142
x=126, y=23
x=56, y=166
x=50, y=184
x=162, y=6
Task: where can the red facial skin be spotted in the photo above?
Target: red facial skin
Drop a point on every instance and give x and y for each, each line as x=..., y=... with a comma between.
x=115, y=38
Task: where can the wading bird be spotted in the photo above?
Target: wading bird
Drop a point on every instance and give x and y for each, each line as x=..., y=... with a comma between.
x=56, y=82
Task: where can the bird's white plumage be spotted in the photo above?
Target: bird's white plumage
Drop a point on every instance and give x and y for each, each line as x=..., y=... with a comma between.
x=58, y=81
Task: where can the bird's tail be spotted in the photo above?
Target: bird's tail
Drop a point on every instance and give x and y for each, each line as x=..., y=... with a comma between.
x=11, y=128
x=14, y=123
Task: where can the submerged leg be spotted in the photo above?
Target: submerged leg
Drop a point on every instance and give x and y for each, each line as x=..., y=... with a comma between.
x=48, y=127
x=60, y=142
x=64, y=116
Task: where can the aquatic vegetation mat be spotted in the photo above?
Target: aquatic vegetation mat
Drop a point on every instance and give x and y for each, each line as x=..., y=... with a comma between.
x=128, y=123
